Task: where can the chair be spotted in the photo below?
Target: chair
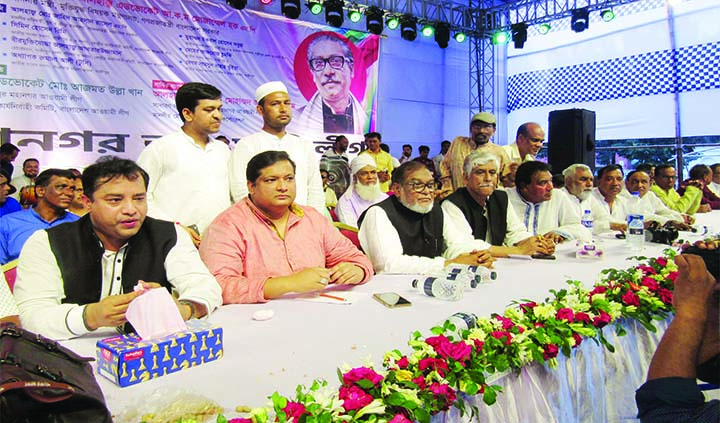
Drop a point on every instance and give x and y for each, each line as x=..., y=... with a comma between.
x=349, y=232
x=10, y=270
x=333, y=214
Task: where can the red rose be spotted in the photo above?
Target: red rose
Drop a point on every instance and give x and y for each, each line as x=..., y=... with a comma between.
x=565, y=314
x=444, y=393
x=647, y=269
x=478, y=345
x=434, y=364
x=528, y=307
x=240, y=420
x=672, y=276
x=502, y=334
x=666, y=296
x=354, y=398
x=507, y=324
x=662, y=261
x=550, y=351
x=293, y=410
x=650, y=283
x=403, y=363
x=601, y=320
x=582, y=317
x=630, y=298
x=419, y=381
x=399, y=418
x=360, y=373
x=578, y=339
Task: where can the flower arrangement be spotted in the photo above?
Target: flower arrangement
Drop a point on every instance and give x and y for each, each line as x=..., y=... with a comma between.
x=441, y=370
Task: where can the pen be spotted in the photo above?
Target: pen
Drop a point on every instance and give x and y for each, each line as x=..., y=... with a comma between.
x=333, y=297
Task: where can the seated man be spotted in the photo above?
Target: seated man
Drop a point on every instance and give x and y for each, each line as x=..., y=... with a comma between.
x=703, y=176
x=75, y=278
x=689, y=348
x=330, y=197
x=543, y=213
x=484, y=211
x=7, y=204
x=55, y=189
x=653, y=209
x=406, y=234
x=607, y=193
x=363, y=192
x=266, y=245
x=664, y=188
x=578, y=188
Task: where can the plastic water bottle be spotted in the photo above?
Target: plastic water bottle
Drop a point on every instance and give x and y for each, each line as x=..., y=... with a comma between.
x=470, y=276
x=462, y=322
x=636, y=225
x=587, y=220
x=443, y=289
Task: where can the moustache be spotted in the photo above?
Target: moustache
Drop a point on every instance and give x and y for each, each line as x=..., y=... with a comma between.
x=330, y=81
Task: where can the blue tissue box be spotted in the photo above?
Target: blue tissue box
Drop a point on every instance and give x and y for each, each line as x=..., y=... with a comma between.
x=128, y=360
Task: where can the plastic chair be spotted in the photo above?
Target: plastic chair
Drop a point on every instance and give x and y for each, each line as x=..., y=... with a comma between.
x=10, y=271
x=349, y=232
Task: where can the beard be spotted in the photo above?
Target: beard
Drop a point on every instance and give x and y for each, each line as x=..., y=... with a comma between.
x=417, y=208
x=584, y=195
x=368, y=192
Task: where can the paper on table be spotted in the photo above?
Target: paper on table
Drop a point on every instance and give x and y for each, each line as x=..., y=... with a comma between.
x=333, y=297
x=154, y=314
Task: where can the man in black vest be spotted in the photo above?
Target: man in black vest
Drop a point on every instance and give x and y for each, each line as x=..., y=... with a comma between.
x=406, y=234
x=480, y=209
x=78, y=277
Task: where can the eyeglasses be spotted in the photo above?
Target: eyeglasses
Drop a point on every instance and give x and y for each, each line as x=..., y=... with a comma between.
x=336, y=62
x=668, y=176
x=420, y=187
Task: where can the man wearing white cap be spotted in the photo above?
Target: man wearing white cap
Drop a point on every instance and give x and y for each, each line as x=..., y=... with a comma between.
x=482, y=129
x=362, y=193
x=275, y=107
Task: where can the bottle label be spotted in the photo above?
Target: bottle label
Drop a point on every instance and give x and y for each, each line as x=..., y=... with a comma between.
x=635, y=231
x=427, y=286
x=469, y=319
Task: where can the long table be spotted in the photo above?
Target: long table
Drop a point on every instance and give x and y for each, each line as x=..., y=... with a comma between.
x=307, y=340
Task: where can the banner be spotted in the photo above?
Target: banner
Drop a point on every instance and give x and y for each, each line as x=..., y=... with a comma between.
x=88, y=78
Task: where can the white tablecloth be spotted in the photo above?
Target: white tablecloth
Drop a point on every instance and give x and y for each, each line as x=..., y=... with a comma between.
x=307, y=340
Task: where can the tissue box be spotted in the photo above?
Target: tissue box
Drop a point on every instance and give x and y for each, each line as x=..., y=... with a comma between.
x=588, y=250
x=128, y=360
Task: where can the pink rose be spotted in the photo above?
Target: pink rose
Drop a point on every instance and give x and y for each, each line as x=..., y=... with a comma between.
x=582, y=317
x=650, y=283
x=444, y=393
x=459, y=351
x=662, y=261
x=403, y=363
x=666, y=296
x=240, y=420
x=630, y=298
x=647, y=269
x=507, y=324
x=550, y=351
x=399, y=418
x=672, y=276
x=565, y=314
x=601, y=320
x=528, y=307
x=502, y=334
x=360, y=373
x=478, y=345
x=354, y=398
x=293, y=410
x=436, y=364
x=420, y=382
x=578, y=339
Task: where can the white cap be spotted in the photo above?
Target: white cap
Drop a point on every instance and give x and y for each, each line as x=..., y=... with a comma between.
x=269, y=87
x=360, y=162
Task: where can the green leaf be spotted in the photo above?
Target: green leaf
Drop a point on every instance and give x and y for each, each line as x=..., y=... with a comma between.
x=421, y=415
x=221, y=419
x=490, y=396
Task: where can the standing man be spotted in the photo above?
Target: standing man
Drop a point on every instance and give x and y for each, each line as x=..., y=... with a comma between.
x=333, y=108
x=482, y=129
x=7, y=204
x=55, y=189
x=339, y=149
x=407, y=152
x=364, y=191
x=275, y=107
x=383, y=160
x=188, y=168
x=78, y=277
x=528, y=142
x=26, y=183
x=664, y=188
x=8, y=153
x=444, y=147
x=423, y=158
x=715, y=184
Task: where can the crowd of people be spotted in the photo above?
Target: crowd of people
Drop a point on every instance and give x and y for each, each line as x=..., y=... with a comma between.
x=216, y=225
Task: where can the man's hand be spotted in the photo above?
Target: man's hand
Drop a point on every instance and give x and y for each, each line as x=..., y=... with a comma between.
x=688, y=219
x=311, y=279
x=554, y=237
x=693, y=287
x=535, y=245
x=109, y=312
x=194, y=235
x=622, y=227
x=696, y=183
x=474, y=258
x=680, y=226
x=704, y=208
x=346, y=274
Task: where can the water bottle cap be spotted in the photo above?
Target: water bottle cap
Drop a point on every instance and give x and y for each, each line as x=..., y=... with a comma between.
x=473, y=283
x=587, y=211
x=493, y=275
x=635, y=194
x=414, y=283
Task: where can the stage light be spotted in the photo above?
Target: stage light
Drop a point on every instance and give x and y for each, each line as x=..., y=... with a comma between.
x=607, y=15
x=354, y=15
x=580, y=20
x=237, y=4
x=519, y=34
x=544, y=28
x=374, y=20
x=460, y=37
x=392, y=22
x=442, y=34
x=334, y=13
x=500, y=37
x=315, y=7
x=427, y=30
x=290, y=8
x=265, y=2
x=408, y=27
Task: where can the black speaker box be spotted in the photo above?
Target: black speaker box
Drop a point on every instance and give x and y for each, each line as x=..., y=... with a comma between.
x=571, y=139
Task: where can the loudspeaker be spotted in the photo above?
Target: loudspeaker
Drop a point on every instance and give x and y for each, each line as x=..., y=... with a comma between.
x=571, y=139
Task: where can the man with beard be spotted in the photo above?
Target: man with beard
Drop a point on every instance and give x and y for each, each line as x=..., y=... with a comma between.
x=7, y=204
x=362, y=193
x=552, y=216
x=275, y=107
x=528, y=142
x=484, y=211
x=25, y=183
x=579, y=188
x=405, y=234
x=482, y=129
x=54, y=189
x=652, y=208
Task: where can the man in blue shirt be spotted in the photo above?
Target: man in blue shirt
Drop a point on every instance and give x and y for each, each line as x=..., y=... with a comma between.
x=54, y=189
x=7, y=204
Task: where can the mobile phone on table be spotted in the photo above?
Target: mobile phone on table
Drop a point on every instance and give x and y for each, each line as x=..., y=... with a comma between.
x=543, y=256
x=391, y=300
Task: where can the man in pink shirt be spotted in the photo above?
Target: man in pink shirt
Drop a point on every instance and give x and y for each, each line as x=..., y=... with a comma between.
x=266, y=246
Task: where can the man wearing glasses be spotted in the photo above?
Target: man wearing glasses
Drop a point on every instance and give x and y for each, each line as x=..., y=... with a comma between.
x=405, y=233
x=664, y=188
x=333, y=107
x=528, y=142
